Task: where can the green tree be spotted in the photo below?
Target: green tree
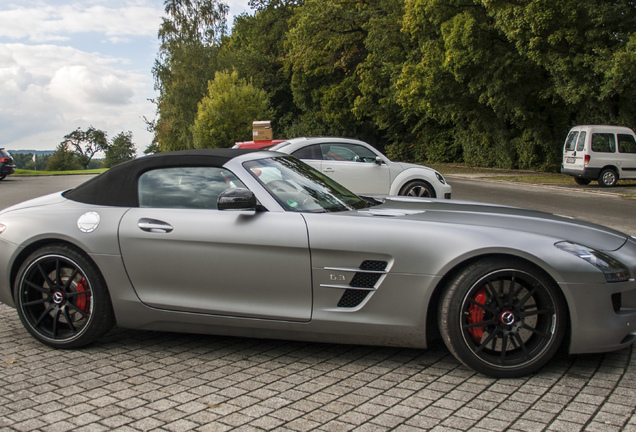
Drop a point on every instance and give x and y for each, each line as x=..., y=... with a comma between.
x=41, y=162
x=344, y=58
x=473, y=92
x=121, y=149
x=587, y=48
x=325, y=45
x=256, y=49
x=23, y=161
x=190, y=39
x=63, y=159
x=86, y=143
x=225, y=115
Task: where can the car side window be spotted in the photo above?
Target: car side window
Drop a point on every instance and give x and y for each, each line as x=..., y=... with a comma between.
x=347, y=152
x=185, y=187
x=309, y=152
x=581, y=145
x=626, y=143
x=603, y=143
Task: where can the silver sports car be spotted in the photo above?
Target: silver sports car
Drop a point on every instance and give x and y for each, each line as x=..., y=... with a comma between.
x=259, y=244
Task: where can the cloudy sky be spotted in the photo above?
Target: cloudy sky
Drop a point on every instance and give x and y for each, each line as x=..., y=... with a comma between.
x=66, y=64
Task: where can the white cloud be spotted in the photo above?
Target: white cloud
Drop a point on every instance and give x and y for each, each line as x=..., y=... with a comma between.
x=57, y=89
x=66, y=64
x=42, y=22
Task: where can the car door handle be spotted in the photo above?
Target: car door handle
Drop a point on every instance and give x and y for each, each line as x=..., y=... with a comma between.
x=153, y=225
x=328, y=170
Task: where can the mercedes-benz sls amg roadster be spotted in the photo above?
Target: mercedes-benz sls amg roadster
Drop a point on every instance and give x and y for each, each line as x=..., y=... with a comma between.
x=259, y=244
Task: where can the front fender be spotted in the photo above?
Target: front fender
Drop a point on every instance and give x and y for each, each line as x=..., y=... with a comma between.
x=411, y=174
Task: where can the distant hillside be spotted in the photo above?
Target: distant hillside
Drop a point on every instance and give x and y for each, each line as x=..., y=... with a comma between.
x=37, y=153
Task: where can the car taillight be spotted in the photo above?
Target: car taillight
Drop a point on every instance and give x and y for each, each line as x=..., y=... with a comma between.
x=2, y=228
x=587, y=159
x=5, y=160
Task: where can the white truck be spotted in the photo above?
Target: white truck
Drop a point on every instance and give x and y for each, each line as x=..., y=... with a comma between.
x=598, y=152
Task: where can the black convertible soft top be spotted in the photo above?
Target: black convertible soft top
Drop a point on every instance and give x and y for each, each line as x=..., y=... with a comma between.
x=118, y=185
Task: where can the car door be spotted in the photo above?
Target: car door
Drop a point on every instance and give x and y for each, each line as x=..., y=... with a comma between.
x=311, y=155
x=183, y=254
x=355, y=167
x=627, y=155
x=574, y=150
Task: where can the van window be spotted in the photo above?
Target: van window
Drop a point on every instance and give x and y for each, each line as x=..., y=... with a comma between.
x=626, y=143
x=581, y=145
x=571, y=141
x=603, y=143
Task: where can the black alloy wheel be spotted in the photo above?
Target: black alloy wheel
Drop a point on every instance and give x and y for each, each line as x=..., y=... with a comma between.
x=502, y=318
x=62, y=299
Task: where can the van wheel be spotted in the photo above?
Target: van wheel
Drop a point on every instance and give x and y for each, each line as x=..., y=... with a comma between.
x=608, y=178
x=582, y=181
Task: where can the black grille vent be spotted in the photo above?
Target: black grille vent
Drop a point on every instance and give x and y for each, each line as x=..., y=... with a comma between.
x=373, y=265
x=617, y=301
x=364, y=280
x=352, y=298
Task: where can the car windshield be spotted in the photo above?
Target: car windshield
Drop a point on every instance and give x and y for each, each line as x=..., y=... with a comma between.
x=298, y=187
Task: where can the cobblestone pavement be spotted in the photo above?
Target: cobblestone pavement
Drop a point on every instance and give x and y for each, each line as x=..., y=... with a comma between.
x=152, y=381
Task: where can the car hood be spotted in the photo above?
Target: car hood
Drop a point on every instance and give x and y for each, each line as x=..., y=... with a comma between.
x=468, y=213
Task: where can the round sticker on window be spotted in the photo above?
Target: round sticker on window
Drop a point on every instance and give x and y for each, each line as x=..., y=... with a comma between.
x=88, y=222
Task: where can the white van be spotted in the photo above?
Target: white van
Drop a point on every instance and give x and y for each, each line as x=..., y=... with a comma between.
x=603, y=153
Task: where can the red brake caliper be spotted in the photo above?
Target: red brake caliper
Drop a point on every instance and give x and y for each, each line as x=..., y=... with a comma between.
x=476, y=315
x=83, y=300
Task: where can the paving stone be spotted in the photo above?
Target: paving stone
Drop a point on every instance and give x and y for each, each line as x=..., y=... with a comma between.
x=153, y=381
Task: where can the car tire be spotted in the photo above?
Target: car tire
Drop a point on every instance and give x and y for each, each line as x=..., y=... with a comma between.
x=608, y=178
x=521, y=328
x=419, y=189
x=582, y=181
x=62, y=298
x=2, y=177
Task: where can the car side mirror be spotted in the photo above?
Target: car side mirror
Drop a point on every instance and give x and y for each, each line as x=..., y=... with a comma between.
x=237, y=199
x=379, y=160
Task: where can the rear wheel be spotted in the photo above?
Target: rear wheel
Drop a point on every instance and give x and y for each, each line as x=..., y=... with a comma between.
x=608, y=178
x=62, y=299
x=418, y=188
x=582, y=181
x=502, y=317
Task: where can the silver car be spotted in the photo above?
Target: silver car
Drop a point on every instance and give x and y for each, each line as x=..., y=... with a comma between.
x=256, y=243
x=364, y=170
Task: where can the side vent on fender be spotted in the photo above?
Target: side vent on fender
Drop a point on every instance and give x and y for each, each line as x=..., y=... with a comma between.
x=373, y=265
x=362, y=283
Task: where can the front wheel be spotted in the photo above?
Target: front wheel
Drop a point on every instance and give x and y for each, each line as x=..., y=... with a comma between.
x=62, y=299
x=419, y=189
x=503, y=318
x=608, y=178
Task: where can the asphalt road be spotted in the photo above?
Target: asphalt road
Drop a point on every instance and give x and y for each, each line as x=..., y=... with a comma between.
x=605, y=208
x=15, y=189
x=602, y=207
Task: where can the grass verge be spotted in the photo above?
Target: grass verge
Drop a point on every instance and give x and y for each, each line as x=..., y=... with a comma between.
x=517, y=176
x=41, y=173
